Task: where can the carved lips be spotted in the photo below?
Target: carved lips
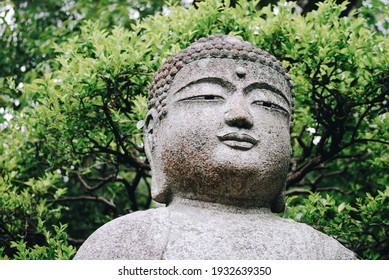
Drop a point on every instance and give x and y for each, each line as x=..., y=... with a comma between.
x=240, y=141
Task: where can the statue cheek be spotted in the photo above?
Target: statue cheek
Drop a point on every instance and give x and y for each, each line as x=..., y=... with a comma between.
x=189, y=147
x=191, y=144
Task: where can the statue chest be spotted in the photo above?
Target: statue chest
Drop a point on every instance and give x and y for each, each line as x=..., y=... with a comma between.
x=226, y=236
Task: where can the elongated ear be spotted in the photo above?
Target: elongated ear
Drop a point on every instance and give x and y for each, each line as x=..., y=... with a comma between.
x=149, y=136
x=160, y=191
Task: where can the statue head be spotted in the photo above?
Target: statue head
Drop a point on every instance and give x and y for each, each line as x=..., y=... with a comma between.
x=218, y=125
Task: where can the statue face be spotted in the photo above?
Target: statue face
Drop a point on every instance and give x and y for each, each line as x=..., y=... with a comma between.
x=226, y=136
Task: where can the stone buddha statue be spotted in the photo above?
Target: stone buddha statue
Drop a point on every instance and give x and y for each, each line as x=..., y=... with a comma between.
x=217, y=136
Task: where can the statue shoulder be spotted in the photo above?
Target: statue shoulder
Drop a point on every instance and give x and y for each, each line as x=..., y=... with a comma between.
x=140, y=235
x=324, y=247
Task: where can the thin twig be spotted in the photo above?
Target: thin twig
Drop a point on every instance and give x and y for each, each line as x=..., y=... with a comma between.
x=101, y=184
x=101, y=199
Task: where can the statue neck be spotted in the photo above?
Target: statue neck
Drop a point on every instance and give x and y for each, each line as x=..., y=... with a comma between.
x=179, y=203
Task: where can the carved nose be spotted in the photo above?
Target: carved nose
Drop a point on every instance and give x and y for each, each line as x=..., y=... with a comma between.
x=239, y=116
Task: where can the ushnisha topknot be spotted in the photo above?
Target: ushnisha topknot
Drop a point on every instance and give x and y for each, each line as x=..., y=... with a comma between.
x=214, y=46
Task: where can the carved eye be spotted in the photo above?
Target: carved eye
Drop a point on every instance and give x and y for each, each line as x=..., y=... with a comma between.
x=263, y=104
x=210, y=97
x=206, y=97
x=271, y=106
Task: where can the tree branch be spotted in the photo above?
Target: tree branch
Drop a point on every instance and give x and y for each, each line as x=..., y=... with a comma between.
x=101, y=184
x=130, y=188
x=122, y=158
x=100, y=199
x=297, y=191
x=295, y=177
x=76, y=242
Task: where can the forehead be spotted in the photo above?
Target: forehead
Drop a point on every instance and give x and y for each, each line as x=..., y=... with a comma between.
x=226, y=69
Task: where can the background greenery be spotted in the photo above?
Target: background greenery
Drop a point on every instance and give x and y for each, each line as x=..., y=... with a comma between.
x=74, y=78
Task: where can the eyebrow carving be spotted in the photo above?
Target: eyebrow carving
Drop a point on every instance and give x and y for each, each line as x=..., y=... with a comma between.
x=211, y=80
x=268, y=87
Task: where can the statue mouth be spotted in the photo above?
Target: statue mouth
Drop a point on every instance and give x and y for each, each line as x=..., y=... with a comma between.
x=239, y=141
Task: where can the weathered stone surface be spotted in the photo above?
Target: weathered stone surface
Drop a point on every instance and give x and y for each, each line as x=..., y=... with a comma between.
x=217, y=137
x=196, y=230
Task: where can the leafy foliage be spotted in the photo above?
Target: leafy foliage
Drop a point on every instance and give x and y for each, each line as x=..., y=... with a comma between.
x=362, y=227
x=28, y=213
x=74, y=149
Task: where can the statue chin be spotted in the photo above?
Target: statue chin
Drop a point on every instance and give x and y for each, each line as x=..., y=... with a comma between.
x=214, y=175
x=221, y=184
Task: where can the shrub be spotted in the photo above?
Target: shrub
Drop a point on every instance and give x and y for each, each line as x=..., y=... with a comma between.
x=86, y=116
